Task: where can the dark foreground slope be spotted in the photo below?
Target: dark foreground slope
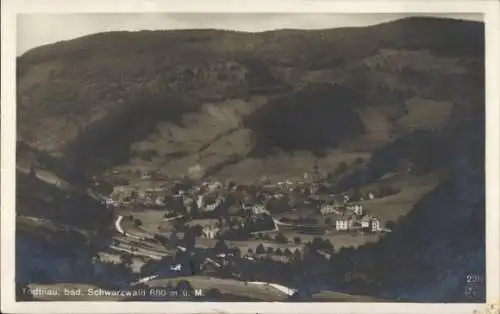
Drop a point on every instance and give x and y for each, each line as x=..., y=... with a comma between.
x=58, y=232
x=435, y=253
x=241, y=104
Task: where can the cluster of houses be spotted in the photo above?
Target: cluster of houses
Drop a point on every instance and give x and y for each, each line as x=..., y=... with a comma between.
x=256, y=209
x=352, y=217
x=209, y=196
x=126, y=196
x=213, y=230
x=201, y=196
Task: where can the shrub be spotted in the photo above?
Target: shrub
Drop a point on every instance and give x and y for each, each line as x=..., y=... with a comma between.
x=237, y=253
x=297, y=240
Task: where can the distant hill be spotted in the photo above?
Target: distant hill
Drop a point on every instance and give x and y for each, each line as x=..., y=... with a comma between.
x=246, y=104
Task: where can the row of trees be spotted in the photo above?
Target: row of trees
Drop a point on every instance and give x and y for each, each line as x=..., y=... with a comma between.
x=270, y=250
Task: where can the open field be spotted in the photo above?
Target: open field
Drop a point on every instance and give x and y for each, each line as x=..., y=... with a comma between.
x=230, y=286
x=298, y=162
x=261, y=292
x=392, y=207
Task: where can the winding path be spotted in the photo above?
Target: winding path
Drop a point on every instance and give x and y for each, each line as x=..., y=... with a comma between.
x=118, y=225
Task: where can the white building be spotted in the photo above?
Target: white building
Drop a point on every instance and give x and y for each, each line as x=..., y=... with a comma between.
x=211, y=232
x=375, y=222
x=365, y=221
x=343, y=224
x=109, y=202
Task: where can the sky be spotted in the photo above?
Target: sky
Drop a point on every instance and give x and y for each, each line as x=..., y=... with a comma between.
x=39, y=29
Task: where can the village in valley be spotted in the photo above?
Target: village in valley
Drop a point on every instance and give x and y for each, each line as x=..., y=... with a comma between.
x=185, y=227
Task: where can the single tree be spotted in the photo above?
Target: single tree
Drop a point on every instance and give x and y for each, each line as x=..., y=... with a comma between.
x=317, y=243
x=237, y=253
x=341, y=168
x=221, y=246
x=280, y=238
x=327, y=245
x=189, y=239
x=260, y=249
x=297, y=255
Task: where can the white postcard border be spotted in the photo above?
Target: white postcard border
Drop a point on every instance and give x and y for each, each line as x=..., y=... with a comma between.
x=10, y=8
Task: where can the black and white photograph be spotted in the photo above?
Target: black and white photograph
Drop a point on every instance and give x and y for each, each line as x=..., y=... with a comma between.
x=284, y=157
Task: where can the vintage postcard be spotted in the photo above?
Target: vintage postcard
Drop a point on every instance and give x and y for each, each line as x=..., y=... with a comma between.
x=263, y=157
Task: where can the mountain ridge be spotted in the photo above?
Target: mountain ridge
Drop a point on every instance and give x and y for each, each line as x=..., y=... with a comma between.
x=139, y=98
